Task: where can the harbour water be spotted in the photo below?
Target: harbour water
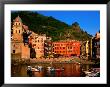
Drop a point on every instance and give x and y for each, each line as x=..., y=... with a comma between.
x=70, y=70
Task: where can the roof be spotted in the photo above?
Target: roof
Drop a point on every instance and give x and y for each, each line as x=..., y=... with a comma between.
x=18, y=19
x=97, y=36
x=25, y=27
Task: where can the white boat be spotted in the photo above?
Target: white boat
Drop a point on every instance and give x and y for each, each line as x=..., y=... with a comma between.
x=88, y=74
x=29, y=68
x=34, y=69
x=49, y=68
x=40, y=68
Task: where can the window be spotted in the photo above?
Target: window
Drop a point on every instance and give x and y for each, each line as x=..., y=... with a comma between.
x=19, y=23
x=19, y=31
x=41, y=39
x=38, y=47
x=34, y=45
x=13, y=51
x=38, y=40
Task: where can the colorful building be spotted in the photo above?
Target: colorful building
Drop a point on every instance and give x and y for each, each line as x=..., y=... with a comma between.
x=48, y=47
x=37, y=42
x=25, y=42
x=96, y=46
x=83, y=49
x=66, y=48
x=86, y=49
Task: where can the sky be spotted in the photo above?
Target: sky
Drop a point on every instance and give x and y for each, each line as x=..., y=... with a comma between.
x=88, y=20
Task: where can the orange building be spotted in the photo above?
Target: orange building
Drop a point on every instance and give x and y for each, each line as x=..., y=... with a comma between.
x=67, y=48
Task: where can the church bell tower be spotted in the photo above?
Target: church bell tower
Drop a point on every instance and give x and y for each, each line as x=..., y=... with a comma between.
x=17, y=29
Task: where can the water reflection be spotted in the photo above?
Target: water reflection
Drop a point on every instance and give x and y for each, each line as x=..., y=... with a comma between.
x=57, y=70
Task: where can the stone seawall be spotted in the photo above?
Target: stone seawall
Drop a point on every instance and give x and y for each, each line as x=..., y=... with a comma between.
x=20, y=61
x=49, y=60
x=16, y=61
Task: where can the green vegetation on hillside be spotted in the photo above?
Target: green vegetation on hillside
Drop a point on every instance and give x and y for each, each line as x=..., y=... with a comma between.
x=50, y=26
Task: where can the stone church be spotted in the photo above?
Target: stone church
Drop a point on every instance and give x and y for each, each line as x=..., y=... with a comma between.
x=18, y=48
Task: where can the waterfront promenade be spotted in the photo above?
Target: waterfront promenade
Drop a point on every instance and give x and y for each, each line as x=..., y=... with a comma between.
x=51, y=60
x=60, y=60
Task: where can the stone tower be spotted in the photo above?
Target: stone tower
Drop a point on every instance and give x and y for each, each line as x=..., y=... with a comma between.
x=18, y=49
x=17, y=29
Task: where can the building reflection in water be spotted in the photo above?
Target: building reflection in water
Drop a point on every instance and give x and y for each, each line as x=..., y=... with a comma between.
x=58, y=70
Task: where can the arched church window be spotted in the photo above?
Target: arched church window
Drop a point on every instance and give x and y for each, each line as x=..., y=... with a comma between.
x=19, y=23
x=19, y=31
x=13, y=51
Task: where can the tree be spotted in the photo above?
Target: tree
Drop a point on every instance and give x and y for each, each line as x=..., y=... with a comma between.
x=50, y=26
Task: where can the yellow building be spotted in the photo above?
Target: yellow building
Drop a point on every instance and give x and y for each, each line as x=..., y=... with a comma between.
x=89, y=49
x=86, y=49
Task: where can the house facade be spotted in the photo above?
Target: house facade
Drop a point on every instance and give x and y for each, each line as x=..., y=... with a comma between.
x=67, y=48
x=37, y=42
x=96, y=46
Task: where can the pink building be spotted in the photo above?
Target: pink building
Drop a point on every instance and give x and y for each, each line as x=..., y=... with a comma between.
x=38, y=44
